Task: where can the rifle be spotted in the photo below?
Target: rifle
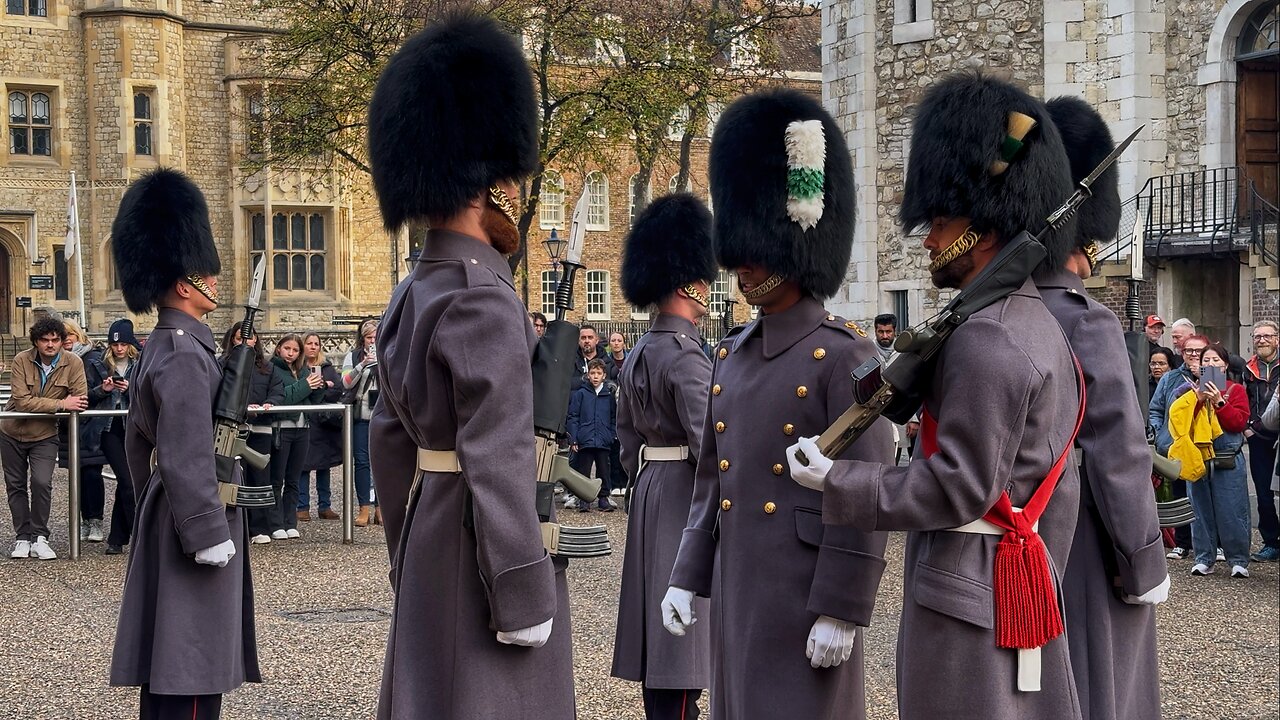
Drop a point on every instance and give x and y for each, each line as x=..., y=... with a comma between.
x=896, y=389
x=231, y=410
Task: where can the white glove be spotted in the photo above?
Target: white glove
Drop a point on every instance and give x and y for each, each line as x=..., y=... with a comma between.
x=219, y=554
x=813, y=475
x=677, y=610
x=830, y=641
x=535, y=636
x=1154, y=596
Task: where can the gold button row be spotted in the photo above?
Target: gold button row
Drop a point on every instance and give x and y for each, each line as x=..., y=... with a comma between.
x=769, y=507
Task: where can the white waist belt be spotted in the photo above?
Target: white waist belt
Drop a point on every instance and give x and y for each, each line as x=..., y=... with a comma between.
x=442, y=461
x=676, y=453
x=1028, y=660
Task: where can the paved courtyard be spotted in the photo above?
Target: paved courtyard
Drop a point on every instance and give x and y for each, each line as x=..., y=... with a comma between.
x=322, y=610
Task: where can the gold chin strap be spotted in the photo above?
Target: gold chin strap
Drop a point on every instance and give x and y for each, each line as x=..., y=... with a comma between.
x=198, y=283
x=1091, y=254
x=697, y=295
x=499, y=198
x=764, y=288
x=958, y=247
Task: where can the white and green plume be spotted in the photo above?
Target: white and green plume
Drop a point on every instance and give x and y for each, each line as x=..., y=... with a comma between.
x=806, y=156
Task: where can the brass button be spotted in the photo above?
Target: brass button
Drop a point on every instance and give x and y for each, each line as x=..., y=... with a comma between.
x=725, y=504
x=724, y=465
x=723, y=353
x=777, y=469
x=819, y=353
x=802, y=391
x=719, y=427
x=715, y=389
x=831, y=318
x=770, y=508
x=788, y=429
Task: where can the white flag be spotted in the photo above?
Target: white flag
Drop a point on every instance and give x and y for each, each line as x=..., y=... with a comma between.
x=1137, y=248
x=73, y=222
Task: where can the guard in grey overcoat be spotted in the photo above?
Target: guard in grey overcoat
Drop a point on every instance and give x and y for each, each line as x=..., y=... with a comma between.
x=480, y=627
x=788, y=591
x=1000, y=409
x=1117, y=570
x=185, y=633
x=667, y=263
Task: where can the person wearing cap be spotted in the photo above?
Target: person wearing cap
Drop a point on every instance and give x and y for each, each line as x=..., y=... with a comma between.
x=480, y=626
x=981, y=634
x=1117, y=569
x=102, y=438
x=789, y=592
x=185, y=633
x=667, y=263
x=1154, y=330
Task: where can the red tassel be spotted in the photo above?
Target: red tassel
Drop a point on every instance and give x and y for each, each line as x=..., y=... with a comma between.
x=1026, y=605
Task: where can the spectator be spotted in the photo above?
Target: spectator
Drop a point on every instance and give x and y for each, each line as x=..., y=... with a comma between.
x=588, y=350
x=1182, y=330
x=1261, y=379
x=617, y=353
x=77, y=341
x=1220, y=499
x=360, y=380
x=1271, y=421
x=1171, y=386
x=102, y=438
x=1154, y=331
x=91, y=487
x=289, y=454
x=539, y=322
x=266, y=390
x=886, y=330
x=1160, y=364
x=44, y=379
x=324, y=446
x=593, y=428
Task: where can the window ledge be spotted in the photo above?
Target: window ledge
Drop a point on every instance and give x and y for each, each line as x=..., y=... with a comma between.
x=39, y=161
x=913, y=32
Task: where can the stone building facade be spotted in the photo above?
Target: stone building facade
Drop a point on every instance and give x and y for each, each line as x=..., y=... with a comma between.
x=1199, y=74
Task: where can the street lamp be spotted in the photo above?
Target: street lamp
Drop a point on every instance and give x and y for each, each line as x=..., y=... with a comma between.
x=415, y=250
x=555, y=247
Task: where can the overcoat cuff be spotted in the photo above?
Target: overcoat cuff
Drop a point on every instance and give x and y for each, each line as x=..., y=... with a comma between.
x=1145, y=568
x=695, y=562
x=204, y=531
x=850, y=494
x=522, y=597
x=844, y=585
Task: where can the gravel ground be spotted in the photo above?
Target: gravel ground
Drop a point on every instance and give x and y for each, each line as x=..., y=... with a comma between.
x=322, y=611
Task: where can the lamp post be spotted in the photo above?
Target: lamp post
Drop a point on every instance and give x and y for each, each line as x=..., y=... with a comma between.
x=555, y=247
x=415, y=250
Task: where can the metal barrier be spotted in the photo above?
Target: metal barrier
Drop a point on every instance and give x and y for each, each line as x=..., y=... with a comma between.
x=73, y=460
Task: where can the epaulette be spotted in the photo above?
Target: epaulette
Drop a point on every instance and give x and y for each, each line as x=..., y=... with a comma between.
x=847, y=326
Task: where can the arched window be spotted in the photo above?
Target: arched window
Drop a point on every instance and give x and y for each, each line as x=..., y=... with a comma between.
x=597, y=201
x=551, y=201
x=673, y=185
x=1260, y=36
x=142, y=122
x=632, y=209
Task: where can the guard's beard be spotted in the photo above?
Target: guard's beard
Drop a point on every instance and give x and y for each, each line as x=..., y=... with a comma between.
x=502, y=233
x=953, y=273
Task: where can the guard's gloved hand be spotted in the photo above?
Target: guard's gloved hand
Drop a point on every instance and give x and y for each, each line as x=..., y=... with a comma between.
x=219, y=554
x=813, y=475
x=830, y=641
x=677, y=610
x=1154, y=596
x=535, y=636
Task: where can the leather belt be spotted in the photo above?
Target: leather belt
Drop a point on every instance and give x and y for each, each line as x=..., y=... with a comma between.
x=675, y=453
x=245, y=496
x=442, y=461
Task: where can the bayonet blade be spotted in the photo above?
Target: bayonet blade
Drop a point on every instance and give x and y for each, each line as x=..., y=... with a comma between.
x=1087, y=183
x=257, y=283
x=577, y=232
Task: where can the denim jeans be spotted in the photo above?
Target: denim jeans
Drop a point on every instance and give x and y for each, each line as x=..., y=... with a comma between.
x=1262, y=464
x=360, y=453
x=1221, y=503
x=323, y=493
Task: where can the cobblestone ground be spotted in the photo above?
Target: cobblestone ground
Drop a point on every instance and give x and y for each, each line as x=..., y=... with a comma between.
x=322, y=612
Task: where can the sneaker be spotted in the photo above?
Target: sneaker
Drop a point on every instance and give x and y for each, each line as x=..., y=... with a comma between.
x=21, y=550
x=1222, y=557
x=1200, y=570
x=570, y=503
x=260, y=540
x=584, y=507
x=1268, y=553
x=617, y=492
x=95, y=530
x=1177, y=553
x=1239, y=571
x=40, y=549
x=293, y=534
x=84, y=530
x=606, y=505
x=108, y=473
x=279, y=535
x=114, y=549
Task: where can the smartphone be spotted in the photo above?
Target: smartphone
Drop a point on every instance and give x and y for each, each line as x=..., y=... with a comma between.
x=1214, y=375
x=315, y=369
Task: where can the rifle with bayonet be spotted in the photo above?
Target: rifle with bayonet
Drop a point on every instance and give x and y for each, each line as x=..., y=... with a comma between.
x=554, y=366
x=231, y=410
x=896, y=388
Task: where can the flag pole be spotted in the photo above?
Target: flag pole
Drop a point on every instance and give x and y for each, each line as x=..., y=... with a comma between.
x=79, y=251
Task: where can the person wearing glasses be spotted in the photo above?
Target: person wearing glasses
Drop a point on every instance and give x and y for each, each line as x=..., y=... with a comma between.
x=1261, y=377
x=1170, y=388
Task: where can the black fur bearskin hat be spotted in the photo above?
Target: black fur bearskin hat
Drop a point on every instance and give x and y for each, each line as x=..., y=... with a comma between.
x=669, y=246
x=1088, y=142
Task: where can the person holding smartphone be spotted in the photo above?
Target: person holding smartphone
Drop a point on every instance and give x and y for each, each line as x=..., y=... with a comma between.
x=361, y=383
x=1221, y=498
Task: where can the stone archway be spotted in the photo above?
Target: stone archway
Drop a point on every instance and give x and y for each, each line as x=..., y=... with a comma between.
x=1218, y=78
x=10, y=249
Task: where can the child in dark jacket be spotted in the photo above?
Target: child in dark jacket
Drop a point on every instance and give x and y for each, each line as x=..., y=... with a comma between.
x=593, y=427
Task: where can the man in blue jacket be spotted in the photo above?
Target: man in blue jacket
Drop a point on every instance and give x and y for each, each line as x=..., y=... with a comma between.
x=593, y=427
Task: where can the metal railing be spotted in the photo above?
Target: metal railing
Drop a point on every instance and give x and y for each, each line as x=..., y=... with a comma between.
x=73, y=460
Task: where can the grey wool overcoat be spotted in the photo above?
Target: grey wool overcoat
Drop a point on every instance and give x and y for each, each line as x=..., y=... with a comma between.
x=184, y=628
x=662, y=402
x=467, y=558
x=756, y=542
x=1113, y=643
x=1004, y=395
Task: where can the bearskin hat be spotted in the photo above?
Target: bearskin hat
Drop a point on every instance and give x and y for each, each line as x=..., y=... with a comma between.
x=161, y=234
x=669, y=246
x=453, y=112
x=1088, y=142
x=965, y=162
x=782, y=187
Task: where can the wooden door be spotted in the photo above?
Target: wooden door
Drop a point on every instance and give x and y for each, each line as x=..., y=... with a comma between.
x=1258, y=125
x=6, y=292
